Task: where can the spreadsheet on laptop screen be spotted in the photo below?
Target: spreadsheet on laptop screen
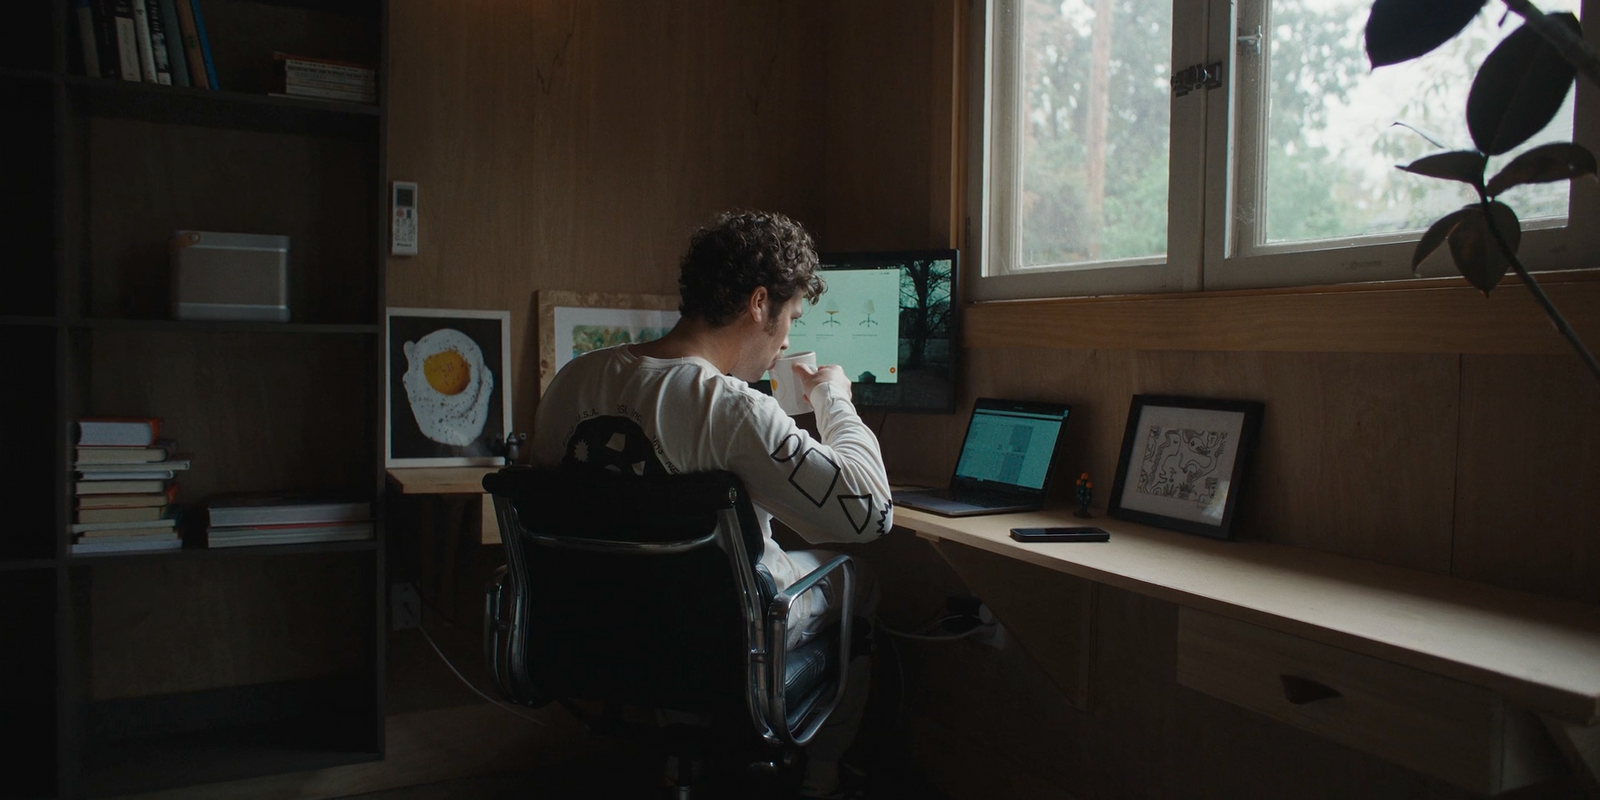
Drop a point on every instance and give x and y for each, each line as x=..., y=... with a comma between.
x=1010, y=447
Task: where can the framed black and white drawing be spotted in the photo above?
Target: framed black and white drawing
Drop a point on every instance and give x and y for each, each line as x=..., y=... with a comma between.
x=1183, y=460
x=447, y=387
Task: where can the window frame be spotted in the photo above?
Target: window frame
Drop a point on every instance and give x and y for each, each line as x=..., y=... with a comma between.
x=1200, y=253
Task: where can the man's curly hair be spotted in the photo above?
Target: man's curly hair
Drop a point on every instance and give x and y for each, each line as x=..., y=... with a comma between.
x=739, y=251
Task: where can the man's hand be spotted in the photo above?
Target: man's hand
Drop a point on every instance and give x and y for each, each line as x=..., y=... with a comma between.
x=827, y=373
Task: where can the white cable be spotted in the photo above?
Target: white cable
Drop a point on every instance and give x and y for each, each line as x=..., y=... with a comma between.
x=924, y=638
x=475, y=690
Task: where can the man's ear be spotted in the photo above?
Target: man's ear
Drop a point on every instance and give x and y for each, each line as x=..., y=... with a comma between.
x=758, y=305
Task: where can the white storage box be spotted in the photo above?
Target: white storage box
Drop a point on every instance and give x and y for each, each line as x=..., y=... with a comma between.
x=230, y=276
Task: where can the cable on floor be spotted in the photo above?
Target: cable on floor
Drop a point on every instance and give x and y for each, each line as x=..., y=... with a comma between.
x=504, y=706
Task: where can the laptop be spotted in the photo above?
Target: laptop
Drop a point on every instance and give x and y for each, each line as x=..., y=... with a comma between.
x=1006, y=461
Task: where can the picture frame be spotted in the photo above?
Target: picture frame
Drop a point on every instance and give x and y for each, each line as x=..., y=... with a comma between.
x=447, y=387
x=1183, y=462
x=573, y=323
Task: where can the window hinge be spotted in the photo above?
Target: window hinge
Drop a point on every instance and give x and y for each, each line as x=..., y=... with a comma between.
x=1199, y=76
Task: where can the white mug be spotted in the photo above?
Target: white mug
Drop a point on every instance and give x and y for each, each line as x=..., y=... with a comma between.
x=786, y=386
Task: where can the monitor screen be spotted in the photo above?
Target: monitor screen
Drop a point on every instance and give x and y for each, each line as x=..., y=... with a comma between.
x=890, y=319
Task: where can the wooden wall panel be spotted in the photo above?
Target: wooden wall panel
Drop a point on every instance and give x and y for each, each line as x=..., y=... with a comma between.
x=236, y=621
x=236, y=182
x=256, y=413
x=1357, y=451
x=566, y=144
x=1527, y=505
x=882, y=99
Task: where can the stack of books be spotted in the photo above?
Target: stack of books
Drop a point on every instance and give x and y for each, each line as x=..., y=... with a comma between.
x=303, y=76
x=154, y=41
x=241, y=520
x=125, y=486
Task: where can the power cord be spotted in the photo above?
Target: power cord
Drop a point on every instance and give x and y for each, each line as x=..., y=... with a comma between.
x=503, y=706
x=924, y=634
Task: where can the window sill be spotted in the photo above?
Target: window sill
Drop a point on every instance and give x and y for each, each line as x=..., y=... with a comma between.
x=1416, y=316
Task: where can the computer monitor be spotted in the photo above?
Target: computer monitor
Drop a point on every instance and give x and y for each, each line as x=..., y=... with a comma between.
x=891, y=320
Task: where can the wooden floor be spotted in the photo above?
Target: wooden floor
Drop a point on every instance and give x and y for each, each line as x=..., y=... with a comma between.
x=618, y=776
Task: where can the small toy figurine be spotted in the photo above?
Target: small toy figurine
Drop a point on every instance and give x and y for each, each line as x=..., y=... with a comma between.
x=514, y=442
x=1085, y=490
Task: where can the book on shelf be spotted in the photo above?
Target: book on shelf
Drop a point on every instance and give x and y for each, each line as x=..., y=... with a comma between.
x=205, y=44
x=128, y=546
x=288, y=64
x=171, y=31
x=131, y=499
x=118, y=431
x=122, y=514
x=239, y=536
x=161, y=451
x=283, y=508
x=189, y=39
x=158, y=42
x=127, y=39
x=88, y=38
x=129, y=475
x=119, y=487
x=323, y=94
x=141, y=30
x=146, y=527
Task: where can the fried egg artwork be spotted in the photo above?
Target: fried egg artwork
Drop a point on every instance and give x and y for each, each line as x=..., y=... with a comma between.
x=448, y=386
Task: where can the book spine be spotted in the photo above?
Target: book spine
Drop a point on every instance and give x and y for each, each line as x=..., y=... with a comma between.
x=191, y=45
x=304, y=62
x=87, y=38
x=328, y=94
x=176, y=62
x=291, y=86
x=308, y=68
x=127, y=39
x=105, y=34
x=205, y=45
x=332, y=80
x=158, y=42
x=141, y=31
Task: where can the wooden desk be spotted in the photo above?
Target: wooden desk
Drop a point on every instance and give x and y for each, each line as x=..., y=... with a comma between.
x=455, y=491
x=453, y=481
x=1537, y=654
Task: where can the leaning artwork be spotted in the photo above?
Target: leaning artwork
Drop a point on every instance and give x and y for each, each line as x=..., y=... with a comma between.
x=448, y=387
x=1182, y=462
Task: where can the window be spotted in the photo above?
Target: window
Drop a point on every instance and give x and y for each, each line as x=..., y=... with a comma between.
x=1099, y=177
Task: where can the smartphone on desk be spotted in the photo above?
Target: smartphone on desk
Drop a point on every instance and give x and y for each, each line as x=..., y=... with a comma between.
x=1077, y=534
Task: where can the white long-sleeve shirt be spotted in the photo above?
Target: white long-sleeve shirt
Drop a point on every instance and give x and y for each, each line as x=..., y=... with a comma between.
x=613, y=409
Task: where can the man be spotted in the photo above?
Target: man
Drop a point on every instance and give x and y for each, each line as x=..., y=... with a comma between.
x=682, y=404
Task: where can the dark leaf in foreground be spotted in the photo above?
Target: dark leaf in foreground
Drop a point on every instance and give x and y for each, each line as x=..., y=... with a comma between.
x=1435, y=236
x=1477, y=254
x=1459, y=165
x=1400, y=30
x=1558, y=161
x=1519, y=89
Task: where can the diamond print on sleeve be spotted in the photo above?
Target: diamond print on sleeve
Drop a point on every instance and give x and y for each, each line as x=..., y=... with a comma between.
x=814, y=475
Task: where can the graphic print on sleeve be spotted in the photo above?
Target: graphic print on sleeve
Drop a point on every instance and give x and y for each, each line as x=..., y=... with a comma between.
x=814, y=473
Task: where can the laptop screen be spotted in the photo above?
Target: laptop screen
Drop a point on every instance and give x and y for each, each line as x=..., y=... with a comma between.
x=1011, y=445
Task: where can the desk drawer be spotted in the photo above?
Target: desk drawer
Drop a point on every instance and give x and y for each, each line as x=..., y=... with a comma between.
x=1442, y=727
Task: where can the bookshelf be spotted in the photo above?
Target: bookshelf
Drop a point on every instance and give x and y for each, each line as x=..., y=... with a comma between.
x=144, y=671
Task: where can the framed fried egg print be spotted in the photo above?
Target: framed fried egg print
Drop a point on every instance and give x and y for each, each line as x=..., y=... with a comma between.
x=447, y=387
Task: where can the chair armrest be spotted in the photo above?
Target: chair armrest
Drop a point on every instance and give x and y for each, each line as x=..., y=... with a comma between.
x=777, y=615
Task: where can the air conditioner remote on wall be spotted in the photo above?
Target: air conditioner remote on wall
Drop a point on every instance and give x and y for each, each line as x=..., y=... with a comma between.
x=403, y=229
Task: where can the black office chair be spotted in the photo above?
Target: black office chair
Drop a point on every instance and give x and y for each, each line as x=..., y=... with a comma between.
x=625, y=592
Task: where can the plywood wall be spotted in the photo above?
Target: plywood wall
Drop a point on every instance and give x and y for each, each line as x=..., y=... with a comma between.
x=575, y=144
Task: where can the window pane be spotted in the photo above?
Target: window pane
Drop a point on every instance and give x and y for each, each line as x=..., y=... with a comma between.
x=1093, y=130
x=1332, y=144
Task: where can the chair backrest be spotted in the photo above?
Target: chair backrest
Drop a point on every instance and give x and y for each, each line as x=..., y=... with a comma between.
x=638, y=590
